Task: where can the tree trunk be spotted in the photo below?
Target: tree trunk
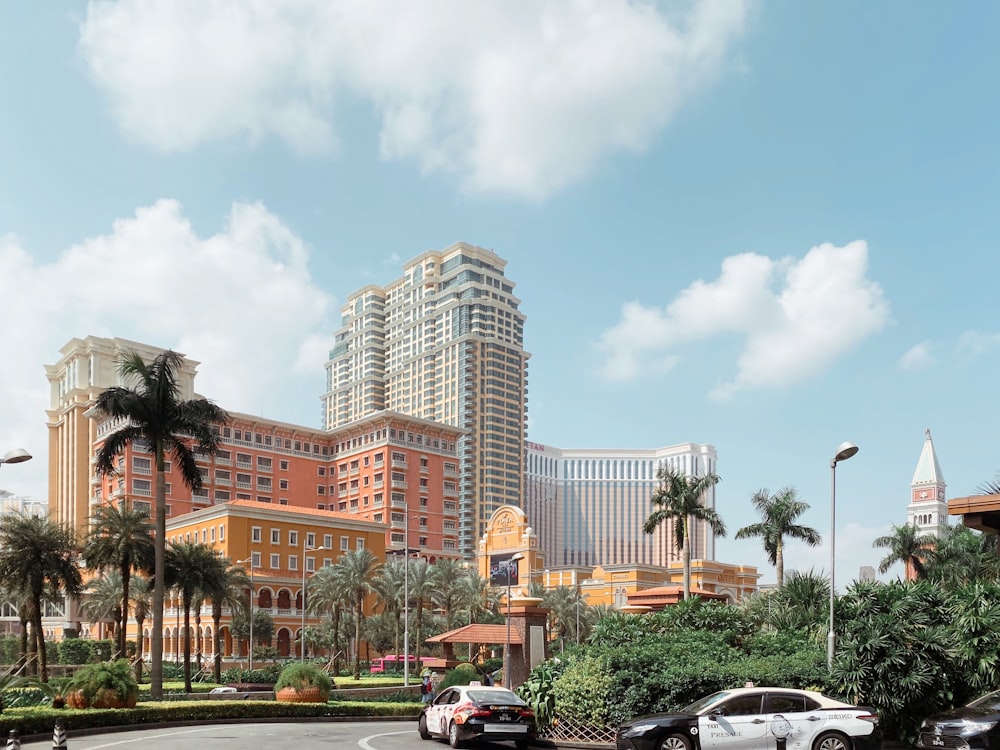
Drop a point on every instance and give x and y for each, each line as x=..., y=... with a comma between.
x=160, y=547
x=187, y=643
x=140, y=648
x=43, y=664
x=126, y=573
x=687, y=559
x=217, y=643
x=779, y=564
x=197, y=636
x=357, y=639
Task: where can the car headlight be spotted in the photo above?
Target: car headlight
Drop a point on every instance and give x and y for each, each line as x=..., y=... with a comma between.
x=976, y=727
x=637, y=730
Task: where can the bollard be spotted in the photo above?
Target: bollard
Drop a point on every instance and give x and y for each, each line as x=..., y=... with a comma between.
x=13, y=742
x=59, y=737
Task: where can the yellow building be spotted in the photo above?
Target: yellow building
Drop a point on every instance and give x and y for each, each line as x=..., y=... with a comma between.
x=281, y=547
x=508, y=535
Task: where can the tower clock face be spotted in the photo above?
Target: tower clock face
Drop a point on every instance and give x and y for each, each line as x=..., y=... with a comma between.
x=940, y=493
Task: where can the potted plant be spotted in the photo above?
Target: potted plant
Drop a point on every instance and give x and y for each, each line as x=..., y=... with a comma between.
x=301, y=682
x=55, y=689
x=104, y=685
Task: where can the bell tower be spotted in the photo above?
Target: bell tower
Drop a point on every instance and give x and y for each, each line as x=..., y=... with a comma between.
x=928, y=509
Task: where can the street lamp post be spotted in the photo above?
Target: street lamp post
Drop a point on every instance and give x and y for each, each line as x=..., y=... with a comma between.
x=515, y=558
x=844, y=452
x=302, y=637
x=252, y=595
x=16, y=456
x=406, y=597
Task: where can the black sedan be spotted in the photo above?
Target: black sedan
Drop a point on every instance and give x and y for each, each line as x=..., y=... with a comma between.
x=759, y=718
x=974, y=725
x=463, y=713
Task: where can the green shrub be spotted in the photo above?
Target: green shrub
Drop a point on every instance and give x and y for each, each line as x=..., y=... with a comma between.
x=462, y=674
x=76, y=651
x=268, y=674
x=583, y=691
x=106, y=677
x=10, y=649
x=103, y=649
x=300, y=675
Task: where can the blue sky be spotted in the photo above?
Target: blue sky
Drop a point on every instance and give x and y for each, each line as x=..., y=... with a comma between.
x=768, y=226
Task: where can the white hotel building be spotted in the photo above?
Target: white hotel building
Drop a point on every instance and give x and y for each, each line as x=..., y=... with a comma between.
x=587, y=507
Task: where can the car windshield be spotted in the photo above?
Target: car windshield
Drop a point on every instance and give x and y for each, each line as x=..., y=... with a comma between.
x=495, y=696
x=702, y=703
x=990, y=700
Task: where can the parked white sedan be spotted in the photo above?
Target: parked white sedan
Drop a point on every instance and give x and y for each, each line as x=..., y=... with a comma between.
x=464, y=713
x=758, y=718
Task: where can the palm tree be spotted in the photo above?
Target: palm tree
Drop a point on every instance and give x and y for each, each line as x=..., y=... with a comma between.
x=778, y=515
x=356, y=570
x=230, y=593
x=192, y=568
x=447, y=576
x=481, y=599
x=389, y=586
x=120, y=538
x=906, y=545
x=38, y=561
x=327, y=593
x=153, y=413
x=678, y=499
x=104, y=602
x=566, y=612
x=421, y=590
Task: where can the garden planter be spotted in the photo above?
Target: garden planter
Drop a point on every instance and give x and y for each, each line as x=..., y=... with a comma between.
x=300, y=695
x=103, y=699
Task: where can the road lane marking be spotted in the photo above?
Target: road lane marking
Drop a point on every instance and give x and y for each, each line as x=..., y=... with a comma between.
x=363, y=742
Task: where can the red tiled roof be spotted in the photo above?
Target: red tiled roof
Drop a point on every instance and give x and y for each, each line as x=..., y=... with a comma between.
x=297, y=509
x=478, y=633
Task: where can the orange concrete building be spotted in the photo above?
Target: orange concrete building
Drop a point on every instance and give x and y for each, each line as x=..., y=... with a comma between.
x=383, y=469
x=283, y=547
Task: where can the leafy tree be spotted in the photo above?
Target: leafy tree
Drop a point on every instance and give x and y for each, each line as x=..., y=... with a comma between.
x=38, y=560
x=192, y=569
x=357, y=569
x=481, y=600
x=963, y=556
x=778, y=513
x=973, y=613
x=678, y=499
x=894, y=652
x=906, y=545
x=803, y=603
x=120, y=538
x=153, y=413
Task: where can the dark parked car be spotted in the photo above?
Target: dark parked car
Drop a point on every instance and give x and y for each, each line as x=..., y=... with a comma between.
x=759, y=718
x=463, y=713
x=974, y=725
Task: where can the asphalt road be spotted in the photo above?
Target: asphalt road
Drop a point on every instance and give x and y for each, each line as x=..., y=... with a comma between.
x=369, y=735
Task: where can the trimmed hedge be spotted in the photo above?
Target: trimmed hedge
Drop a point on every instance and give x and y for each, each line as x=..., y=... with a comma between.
x=42, y=720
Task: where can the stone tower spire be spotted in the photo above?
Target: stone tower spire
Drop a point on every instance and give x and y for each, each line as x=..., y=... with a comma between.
x=928, y=510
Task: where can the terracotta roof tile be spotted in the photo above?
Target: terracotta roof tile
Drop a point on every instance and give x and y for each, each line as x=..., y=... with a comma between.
x=478, y=633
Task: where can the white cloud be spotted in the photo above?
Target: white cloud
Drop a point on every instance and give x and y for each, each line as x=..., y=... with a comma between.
x=977, y=343
x=513, y=98
x=240, y=301
x=795, y=316
x=919, y=357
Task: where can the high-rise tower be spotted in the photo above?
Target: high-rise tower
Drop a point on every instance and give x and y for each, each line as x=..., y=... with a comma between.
x=928, y=509
x=443, y=342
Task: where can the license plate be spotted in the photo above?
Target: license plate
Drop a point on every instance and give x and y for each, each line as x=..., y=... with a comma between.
x=506, y=728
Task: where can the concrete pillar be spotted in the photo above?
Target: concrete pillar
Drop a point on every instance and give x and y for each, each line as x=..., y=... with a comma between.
x=530, y=622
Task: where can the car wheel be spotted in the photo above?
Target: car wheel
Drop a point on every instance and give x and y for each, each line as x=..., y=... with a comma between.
x=453, y=738
x=832, y=741
x=422, y=728
x=675, y=742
